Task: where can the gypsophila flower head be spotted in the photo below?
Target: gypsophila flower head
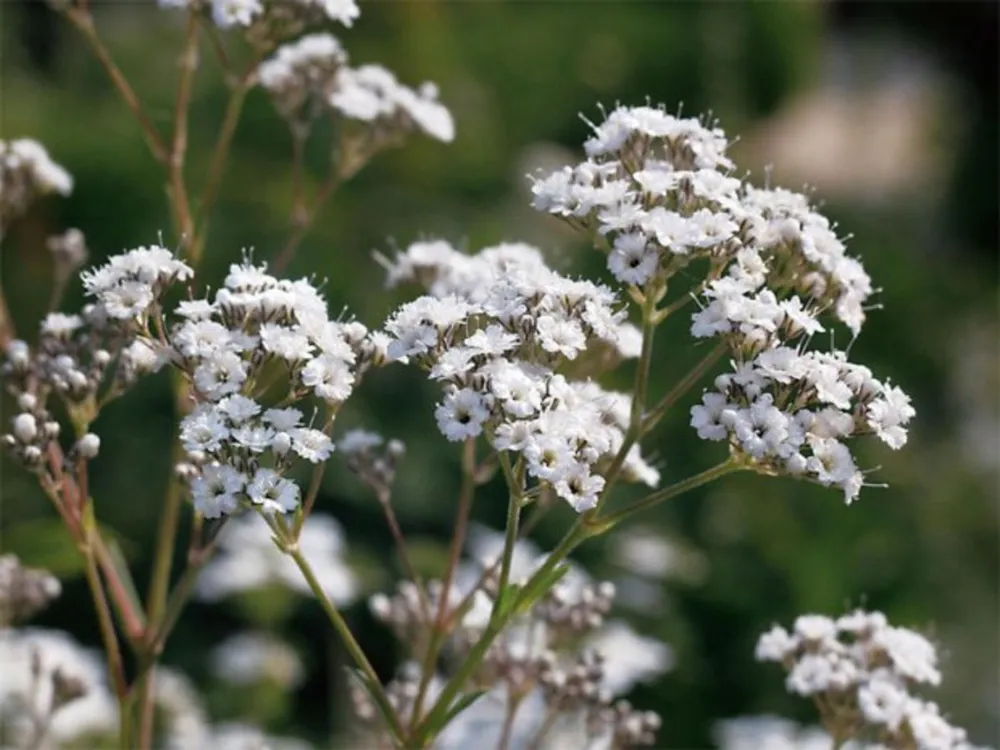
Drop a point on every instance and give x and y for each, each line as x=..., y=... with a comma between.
x=371, y=94
x=128, y=285
x=657, y=192
x=302, y=72
x=268, y=20
x=864, y=670
x=27, y=172
x=247, y=559
x=239, y=448
x=492, y=331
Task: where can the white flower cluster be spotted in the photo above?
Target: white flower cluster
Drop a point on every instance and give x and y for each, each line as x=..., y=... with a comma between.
x=862, y=668
x=232, y=348
x=52, y=685
x=493, y=330
x=657, y=190
x=128, y=285
x=247, y=559
x=245, y=13
x=313, y=71
x=787, y=411
x=27, y=172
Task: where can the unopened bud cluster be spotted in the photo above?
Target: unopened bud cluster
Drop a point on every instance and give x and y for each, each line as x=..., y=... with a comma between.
x=373, y=459
x=24, y=591
x=32, y=430
x=568, y=616
x=69, y=252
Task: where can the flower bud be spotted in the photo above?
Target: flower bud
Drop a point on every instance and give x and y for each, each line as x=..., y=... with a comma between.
x=25, y=428
x=88, y=446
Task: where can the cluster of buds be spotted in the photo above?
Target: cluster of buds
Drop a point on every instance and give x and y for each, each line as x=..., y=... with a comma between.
x=69, y=253
x=405, y=612
x=24, y=591
x=373, y=459
x=32, y=431
x=568, y=616
x=625, y=726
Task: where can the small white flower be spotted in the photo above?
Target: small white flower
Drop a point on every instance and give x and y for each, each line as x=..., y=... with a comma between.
x=632, y=261
x=461, y=415
x=283, y=419
x=272, y=492
x=329, y=377
x=312, y=445
x=580, y=488
x=239, y=408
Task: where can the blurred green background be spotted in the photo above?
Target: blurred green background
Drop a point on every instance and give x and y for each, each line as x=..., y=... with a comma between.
x=888, y=112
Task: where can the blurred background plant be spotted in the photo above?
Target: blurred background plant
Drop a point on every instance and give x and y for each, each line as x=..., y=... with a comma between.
x=889, y=111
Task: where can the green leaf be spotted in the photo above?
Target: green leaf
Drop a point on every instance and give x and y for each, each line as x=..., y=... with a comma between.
x=45, y=543
x=507, y=598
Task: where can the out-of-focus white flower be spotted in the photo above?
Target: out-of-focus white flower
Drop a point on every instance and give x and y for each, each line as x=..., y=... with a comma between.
x=870, y=667
x=771, y=733
x=248, y=559
x=251, y=657
x=629, y=658
x=47, y=676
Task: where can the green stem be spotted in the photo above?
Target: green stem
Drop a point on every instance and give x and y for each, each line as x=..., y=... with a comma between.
x=634, y=431
x=374, y=685
x=112, y=651
x=515, y=482
x=577, y=533
x=683, y=386
x=440, y=625
x=662, y=495
x=220, y=155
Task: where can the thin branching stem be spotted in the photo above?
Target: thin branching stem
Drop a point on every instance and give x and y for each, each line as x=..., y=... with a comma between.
x=84, y=23
x=440, y=625
x=374, y=684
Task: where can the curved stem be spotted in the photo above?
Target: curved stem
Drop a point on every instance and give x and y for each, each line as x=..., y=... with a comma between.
x=683, y=386
x=82, y=20
x=178, y=149
x=662, y=495
x=439, y=628
x=515, y=483
x=579, y=532
x=374, y=685
x=109, y=638
x=287, y=253
x=634, y=431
